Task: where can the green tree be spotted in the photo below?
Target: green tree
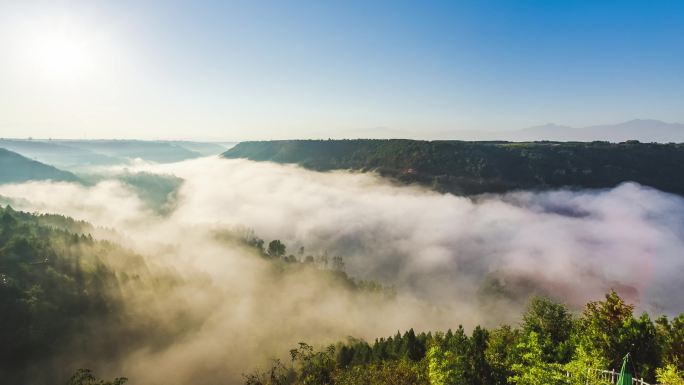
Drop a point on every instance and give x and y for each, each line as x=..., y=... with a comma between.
x=669, y=375
x=479, y=367
x=554, y=325
x=441, y=368
x=338, y=263
x=671, y=340
x=584, y=366
x=276, y=249
x=532, y=369
x=602, y=329
x=412, y=348
x=641, y=341
x=501, y=353
x=398, y=372
x=315, y=368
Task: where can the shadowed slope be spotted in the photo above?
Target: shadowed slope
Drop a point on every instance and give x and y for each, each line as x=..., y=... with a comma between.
x=15, y=168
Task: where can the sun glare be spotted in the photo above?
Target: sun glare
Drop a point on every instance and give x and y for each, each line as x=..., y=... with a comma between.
x=59, y=54
x=58, y=48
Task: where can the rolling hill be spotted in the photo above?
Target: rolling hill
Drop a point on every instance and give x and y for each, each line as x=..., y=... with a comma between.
x=80, y=155
x=15, y=168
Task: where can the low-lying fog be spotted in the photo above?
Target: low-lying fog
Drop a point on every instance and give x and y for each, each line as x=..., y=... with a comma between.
x=452, y=260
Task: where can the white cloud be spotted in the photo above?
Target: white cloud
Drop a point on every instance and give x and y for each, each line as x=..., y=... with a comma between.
x=440, y=251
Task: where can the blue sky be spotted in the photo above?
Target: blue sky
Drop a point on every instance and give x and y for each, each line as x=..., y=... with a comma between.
x=260, y=70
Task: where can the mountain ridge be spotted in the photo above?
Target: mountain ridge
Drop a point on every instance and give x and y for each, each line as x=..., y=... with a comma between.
x=78, y=155
x=16, y=168
x=643, y=130
x=471, y=168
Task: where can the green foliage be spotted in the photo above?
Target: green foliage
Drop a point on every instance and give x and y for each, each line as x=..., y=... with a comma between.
x=669, y=375
x=61, y=288
x=671, y=340
x=48, y=275
x=602, y=328
x=641, y=341
x=62, y=294
x=86, y=377
x=553, y=325
x=608, y=330
x=582, y=368
x=442, y=368
x=454, y=358
x=315, y=367
x=276, y=249
x=550, y=348
x=479, y=366
x=391, y=372
x=484, y=167
x=501, y=353
x=61, y=291
x=408, y=347
x=289, y=263
x=533, y=369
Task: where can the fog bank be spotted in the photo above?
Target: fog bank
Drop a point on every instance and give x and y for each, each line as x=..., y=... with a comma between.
x=452, y=260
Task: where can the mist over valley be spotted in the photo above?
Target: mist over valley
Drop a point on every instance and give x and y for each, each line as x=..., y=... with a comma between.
x=362, y=256
x=341, y=193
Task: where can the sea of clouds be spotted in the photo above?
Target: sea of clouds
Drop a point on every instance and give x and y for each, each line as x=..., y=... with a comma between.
x=452, y=260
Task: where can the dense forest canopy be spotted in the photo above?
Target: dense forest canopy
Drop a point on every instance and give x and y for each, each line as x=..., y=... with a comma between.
x=467, y=168
x=62, y=296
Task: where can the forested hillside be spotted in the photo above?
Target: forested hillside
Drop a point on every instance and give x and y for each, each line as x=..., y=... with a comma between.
x=485, y=167
x=551, y=346
x=15, y=168
x=71, y=301
x=61, y=294
x=155, y=151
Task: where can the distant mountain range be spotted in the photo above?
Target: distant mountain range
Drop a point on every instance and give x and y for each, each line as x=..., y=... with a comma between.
x=15, y=168
x=643, y=130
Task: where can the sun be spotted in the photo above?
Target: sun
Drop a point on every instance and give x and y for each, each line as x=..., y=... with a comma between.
x=65, y=57
x=59, y=54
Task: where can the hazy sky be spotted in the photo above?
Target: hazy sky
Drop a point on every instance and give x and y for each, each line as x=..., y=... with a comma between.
x=258, y=70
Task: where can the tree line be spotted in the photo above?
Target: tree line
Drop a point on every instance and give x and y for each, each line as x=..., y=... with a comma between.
x=467, y=168
x=276, y=252
x=551, y=346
